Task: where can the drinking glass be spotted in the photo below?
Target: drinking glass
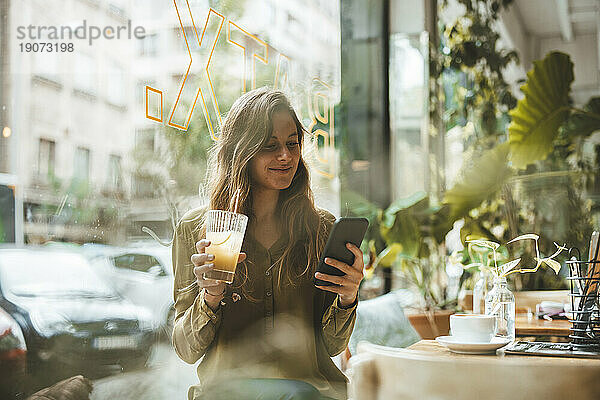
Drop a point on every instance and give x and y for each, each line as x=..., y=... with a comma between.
x=225, y=230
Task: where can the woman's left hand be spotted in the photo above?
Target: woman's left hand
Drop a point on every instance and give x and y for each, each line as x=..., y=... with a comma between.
x=349, y=283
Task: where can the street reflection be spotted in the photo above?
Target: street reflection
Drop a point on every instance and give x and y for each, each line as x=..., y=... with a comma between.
x=71, y=315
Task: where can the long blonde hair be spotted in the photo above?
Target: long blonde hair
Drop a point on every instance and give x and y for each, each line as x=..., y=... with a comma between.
x=247, y=128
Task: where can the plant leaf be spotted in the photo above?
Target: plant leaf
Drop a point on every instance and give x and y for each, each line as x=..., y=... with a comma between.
x=555, y=265
x=400, y=222
x=526, y=236
x=472, y=266
x=388, y=255
x=479, y=179
x=509, y=265
x=417, y=203
x=485, y=243
x=538, y=116
x=559, y=249
x=472, y=230
x=584, y=124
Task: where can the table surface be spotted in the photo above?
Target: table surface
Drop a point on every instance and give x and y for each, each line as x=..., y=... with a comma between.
x=533, y=326
x=434, y=348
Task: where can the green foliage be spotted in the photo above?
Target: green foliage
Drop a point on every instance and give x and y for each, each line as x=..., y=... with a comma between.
x=584, y=122
x=545, y=107
x=401, y=223
x=481, y=178
x=189, y=153
x=545, y=131
x=483, y=248
x=471, y=64
x=408, y=228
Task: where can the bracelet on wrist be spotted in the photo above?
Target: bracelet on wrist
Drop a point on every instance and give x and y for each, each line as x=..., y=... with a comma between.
x=214, y=295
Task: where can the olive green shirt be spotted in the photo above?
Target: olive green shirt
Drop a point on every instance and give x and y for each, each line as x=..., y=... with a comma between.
x=283, y=331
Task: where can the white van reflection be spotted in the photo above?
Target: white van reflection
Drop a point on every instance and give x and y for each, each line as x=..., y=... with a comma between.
x=142, y=273
x=73, y=322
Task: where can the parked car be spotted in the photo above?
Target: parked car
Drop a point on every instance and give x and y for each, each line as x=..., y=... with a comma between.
x=141, y=273
x=13, y=357
x=72, y=320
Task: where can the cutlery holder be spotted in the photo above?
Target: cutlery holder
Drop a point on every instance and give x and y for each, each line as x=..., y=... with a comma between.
x=584, y=279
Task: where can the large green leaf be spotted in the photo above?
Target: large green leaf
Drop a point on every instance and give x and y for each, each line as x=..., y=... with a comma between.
x=417, y=203
x=480, y=178
x=545, y=107
x=473, y=230
x=587, y=122
x=401, y=223
x=357, y=204
x=389, y=255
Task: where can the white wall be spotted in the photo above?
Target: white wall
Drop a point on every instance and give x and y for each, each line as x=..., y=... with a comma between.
x=407, y=16
x=584, y=54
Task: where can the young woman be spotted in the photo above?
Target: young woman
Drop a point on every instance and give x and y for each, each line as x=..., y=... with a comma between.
x=271, y=333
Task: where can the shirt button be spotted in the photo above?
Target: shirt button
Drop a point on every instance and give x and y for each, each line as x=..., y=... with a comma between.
x=268, y=293
x=267, y=273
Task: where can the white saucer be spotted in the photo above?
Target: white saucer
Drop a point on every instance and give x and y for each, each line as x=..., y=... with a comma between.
x=471, y=348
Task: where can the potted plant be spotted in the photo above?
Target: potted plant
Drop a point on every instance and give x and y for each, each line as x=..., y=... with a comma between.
x=500, y=301
x=412, y=234
x=534, y=179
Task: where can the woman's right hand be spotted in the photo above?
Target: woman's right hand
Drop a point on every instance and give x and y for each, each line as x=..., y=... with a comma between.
x=203, y=262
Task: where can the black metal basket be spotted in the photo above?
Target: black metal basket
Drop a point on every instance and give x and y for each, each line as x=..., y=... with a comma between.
x=584, y=278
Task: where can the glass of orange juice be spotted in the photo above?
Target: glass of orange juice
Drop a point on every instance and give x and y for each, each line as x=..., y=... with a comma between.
x=225, y=230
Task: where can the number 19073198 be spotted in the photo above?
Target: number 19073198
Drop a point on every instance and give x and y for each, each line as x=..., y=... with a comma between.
x=46, y=47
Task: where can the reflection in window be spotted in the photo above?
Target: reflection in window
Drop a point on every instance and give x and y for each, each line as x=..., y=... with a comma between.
x=147, y=45
x=140, y=90
x=46, y=158
x=26, y=273
x=117, y=7
x=144, y=140
x=84, y=75
x=114, y=172
x=143, y=173
x=143, y=187
x=115, y=86
x=136, y=262
x=82, y=164
x=408, y=94
x=46, y=66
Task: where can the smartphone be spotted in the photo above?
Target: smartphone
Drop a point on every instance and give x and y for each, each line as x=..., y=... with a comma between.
x=345, y=230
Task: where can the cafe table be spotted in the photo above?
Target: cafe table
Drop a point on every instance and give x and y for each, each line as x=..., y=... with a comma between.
x=515, y=376
x=528, y=325
x=434, y=348
x=427, y=370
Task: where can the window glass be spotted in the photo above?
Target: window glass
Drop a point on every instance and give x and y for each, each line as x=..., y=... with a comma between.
x=147, y=45
x=116, y=85
x=26, y=274
x=108, y=109
x=136, y=262
x=114, y=177
x=46, y=158
x=81, y=169
x=408, y=114
x=84, y=74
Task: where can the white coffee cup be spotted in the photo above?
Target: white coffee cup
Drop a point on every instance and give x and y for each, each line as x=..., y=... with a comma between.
x=473, y=328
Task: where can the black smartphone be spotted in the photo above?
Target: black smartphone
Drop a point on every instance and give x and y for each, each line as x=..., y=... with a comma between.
x=345, y=230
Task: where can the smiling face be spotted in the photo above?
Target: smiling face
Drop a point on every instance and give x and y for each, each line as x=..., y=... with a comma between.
x=274, y=167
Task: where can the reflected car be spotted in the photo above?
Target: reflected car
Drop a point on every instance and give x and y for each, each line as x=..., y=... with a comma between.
x=13, y=357
x=141, y=273
x=72, y=320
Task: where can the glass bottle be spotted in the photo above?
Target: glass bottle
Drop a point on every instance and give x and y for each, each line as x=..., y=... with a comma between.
x=501, y=302
x=482, y=286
